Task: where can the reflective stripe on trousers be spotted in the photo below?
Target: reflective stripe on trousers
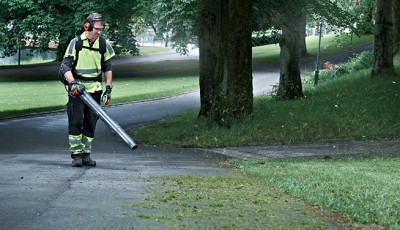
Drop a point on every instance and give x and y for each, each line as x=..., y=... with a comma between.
x=80, y=144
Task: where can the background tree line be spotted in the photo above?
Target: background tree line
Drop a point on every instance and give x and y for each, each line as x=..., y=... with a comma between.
x=36, y=23
x=222, y=29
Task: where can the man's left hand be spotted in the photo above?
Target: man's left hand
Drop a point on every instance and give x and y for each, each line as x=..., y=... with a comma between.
x=106, y=98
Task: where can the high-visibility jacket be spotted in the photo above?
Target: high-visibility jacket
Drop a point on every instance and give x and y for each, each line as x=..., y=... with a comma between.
x=89, y=65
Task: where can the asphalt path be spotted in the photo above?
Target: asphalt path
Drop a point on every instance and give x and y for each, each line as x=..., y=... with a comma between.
x=40, y=190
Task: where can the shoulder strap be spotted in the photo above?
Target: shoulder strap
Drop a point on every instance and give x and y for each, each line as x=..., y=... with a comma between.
x=102, y=49
x=78, y=43
x=102, y=45
x=78, y=47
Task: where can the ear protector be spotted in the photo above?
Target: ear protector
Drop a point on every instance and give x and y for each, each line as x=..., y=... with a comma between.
x=88, y=26
x=89, y=22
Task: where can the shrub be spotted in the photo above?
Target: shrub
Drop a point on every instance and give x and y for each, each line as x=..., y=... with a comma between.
x=359, y=62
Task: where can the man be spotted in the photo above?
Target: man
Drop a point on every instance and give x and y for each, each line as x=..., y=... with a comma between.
x=83, y=68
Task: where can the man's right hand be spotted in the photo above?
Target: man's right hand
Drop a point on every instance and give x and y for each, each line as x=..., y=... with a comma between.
x=76, y=89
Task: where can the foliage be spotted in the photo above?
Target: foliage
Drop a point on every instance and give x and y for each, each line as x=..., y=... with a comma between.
x=25, y=22
x=166, y=17
x=337, y=15
x=37, y=22
x=268, y=14
x=363, y=16
x=42, y=21
x=121, y=27
x=181, y=17
x=266, y=38
x=362, y=61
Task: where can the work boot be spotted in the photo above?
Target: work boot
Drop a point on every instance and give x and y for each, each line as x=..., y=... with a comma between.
x=87, y=161
x=77, y=162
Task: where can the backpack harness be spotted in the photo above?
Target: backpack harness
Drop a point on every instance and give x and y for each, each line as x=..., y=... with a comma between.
x=78, y=47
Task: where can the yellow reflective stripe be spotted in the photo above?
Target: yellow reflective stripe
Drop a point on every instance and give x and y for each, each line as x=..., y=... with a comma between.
x=70, y=49
x=92, y=87
x=109, y=52
x=75, y=139
x=75, y=144
x=86, y=139
x=87, y=144
x=88, y=71
x=89, y=62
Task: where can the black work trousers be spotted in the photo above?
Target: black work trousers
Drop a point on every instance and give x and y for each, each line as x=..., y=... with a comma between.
x=81, y=119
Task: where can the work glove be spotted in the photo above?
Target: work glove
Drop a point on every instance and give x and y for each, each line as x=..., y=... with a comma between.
x=106, y=98
x=75, y=89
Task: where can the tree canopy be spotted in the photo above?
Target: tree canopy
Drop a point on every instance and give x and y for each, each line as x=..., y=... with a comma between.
x=38, y=22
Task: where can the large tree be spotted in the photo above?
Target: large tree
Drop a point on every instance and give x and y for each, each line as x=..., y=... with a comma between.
x=223, y=30
x=290, y=86
x=384, y=39
x=209, y=35
x=233, y=90
x=396, y=12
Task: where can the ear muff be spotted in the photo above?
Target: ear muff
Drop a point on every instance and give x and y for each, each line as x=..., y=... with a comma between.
x=88, y=26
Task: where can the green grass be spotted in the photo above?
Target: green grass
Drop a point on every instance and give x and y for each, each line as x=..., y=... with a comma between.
x=145, y=50
x=51, y=95
x=28, y=93
x=363, y=190
x=329, y=46
x=231, y=201
x=354, y=106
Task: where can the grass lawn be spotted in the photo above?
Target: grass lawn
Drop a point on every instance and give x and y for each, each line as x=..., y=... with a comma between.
x=353, y=106
x=365, y=191
x=26, y=93
x=329, y=46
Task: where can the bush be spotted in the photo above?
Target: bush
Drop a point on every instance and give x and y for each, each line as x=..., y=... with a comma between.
x=359, y=62
x=362, y=61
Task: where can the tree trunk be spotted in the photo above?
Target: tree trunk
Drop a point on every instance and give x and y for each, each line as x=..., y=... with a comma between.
x=384, y=43
x=396, y=12
x=166, y=39
x=209, y=28
x=290, y=86
x=233, y=95
x=302, y=33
